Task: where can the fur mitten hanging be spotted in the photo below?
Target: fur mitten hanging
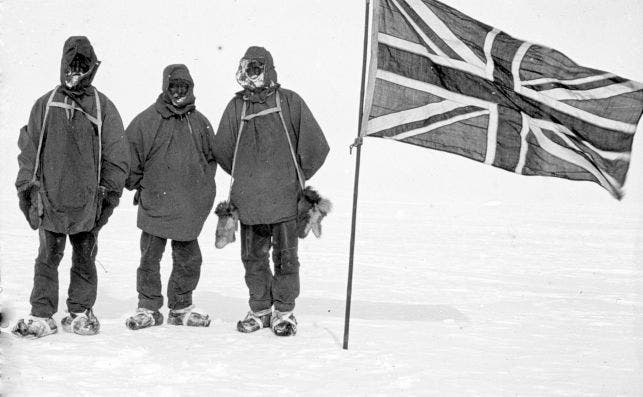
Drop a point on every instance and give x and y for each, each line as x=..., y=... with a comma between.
x=311, y=209
x=227, y=224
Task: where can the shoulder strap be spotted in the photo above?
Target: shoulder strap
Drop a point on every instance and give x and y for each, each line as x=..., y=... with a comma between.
x=98, y=121
x=42, y=133
x=99, y=127
x=244, y=119
x=72, y=107
x=262, y=113
x=236, y=146
x=300, y=176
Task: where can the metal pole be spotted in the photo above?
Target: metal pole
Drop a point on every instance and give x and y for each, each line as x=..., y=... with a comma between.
x=358, y=144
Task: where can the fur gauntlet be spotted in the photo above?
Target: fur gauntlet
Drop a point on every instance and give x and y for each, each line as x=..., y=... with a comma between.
x=311, y=209
x=227, y=224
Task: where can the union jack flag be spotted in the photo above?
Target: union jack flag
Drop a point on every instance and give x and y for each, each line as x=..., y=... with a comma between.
x=442, y=80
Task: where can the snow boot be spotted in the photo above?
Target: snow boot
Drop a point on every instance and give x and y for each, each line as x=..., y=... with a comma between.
x=35, y=327
x=254, y=321
x=84, y=323
x=189, y=316
x=144, y=318
x=283, y=323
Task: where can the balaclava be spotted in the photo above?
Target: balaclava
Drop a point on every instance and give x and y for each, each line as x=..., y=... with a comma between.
x=78, y=67
x=257, y=74
x=177, y=97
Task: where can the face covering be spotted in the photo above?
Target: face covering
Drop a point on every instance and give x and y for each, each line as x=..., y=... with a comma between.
x=178, y=90
x=250, y=74
x=77, y=70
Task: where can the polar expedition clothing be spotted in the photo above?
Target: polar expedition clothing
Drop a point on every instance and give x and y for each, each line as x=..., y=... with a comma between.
x=173, y=164
x=172, y=171
x=73, y=163
x=69, y=158
x=265, y=187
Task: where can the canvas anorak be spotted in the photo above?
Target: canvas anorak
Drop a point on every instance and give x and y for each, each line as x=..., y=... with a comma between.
x=69, y=159
x=173, y=164
x=265, y=188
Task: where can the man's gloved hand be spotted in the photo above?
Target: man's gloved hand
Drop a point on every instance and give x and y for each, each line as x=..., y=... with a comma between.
x=24, y=199
x=107, y=201
x=30, y=203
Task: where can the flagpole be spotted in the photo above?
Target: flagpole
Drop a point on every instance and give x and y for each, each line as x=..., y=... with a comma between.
x=358, y=145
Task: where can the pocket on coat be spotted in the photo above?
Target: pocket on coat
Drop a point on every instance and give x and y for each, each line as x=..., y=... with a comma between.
x=156, y=203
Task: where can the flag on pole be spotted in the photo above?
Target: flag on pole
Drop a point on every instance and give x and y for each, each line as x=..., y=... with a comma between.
x=442, y=80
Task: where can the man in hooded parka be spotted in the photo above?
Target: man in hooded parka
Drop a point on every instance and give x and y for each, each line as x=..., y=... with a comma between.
x=73, y=160
x=265, y=187
x=172, y=171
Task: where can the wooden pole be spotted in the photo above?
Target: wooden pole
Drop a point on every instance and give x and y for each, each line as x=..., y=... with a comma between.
x=358, y=145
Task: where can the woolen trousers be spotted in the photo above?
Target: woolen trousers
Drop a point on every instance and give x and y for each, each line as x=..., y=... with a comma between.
x=267, y=289
x=83, y=281
x=186, y=270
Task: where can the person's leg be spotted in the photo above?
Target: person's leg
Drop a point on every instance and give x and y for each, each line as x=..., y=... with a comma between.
x=44, y=295
x=285, y=284
x=186, y=270
x=255, y=247
x=83, y=280
x=148, y=274
x=83, y=283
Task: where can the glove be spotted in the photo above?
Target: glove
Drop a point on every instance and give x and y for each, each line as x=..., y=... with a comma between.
x=24, y=200
x=227, y=224
x=30, y=203
x=108, y=200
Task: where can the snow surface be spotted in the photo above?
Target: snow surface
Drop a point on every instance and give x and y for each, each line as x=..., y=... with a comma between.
x=468, y=280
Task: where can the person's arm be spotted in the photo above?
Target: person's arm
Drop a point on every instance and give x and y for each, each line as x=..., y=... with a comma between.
x=115, y=162
x=226, y=137
x=207, y=142
x=28, y=145
x=312, y=147
x=137, y=154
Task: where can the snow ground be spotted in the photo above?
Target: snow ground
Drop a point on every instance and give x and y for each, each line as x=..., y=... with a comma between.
x=497, y=308
x=468, y=280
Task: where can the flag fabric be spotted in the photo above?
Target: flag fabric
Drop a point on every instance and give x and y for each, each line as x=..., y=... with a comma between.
x=442, y=80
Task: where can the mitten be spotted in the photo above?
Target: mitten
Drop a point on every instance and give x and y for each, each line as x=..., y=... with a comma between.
x=24, y=199
x=30, y=203
x=227, y=224
x=311, y=209
x=108, y=201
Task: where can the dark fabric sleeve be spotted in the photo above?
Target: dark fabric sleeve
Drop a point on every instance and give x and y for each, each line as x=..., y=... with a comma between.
x=137, y=154
x=312, y=147
x=208, y=141
x=28, y=144
x=116, y=153
x=225, y=139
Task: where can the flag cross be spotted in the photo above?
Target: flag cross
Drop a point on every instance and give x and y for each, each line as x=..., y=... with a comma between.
x=529, y=112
